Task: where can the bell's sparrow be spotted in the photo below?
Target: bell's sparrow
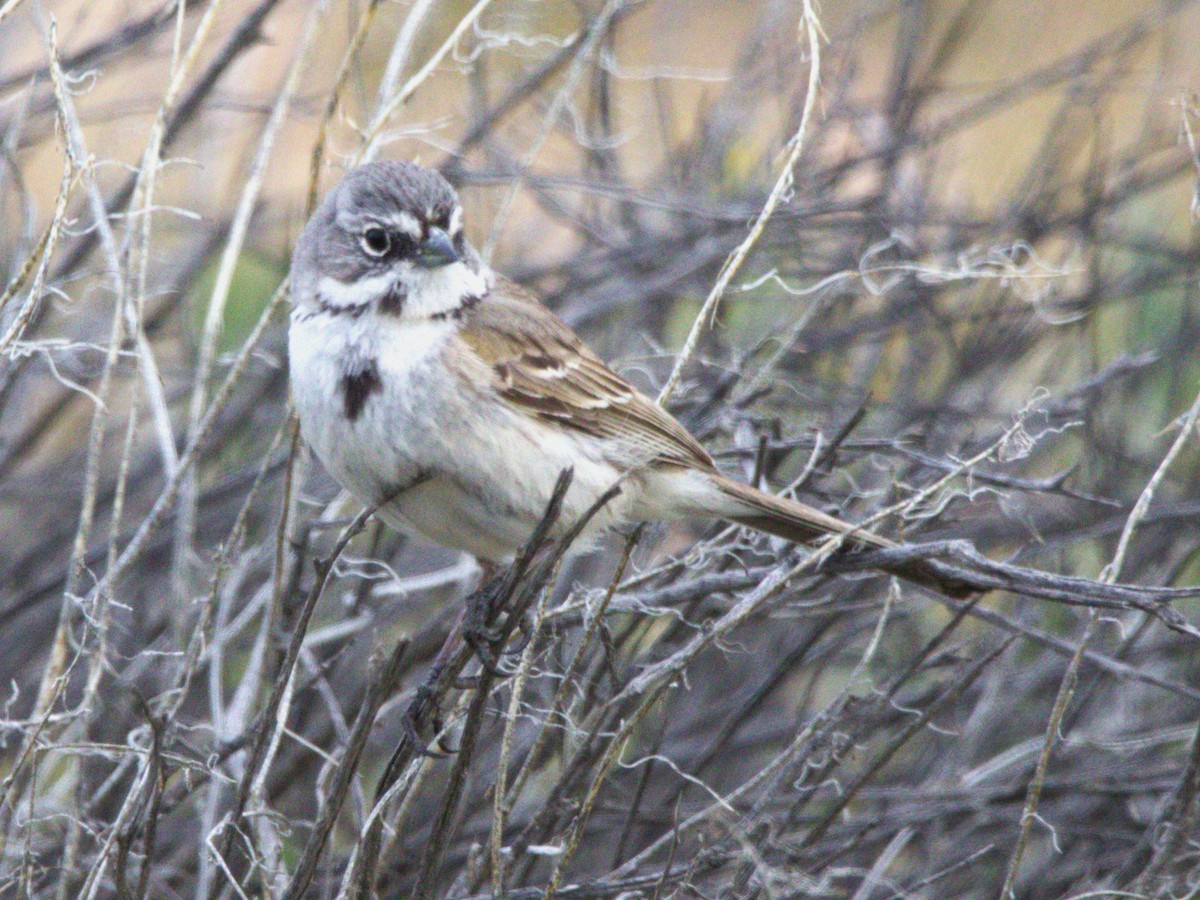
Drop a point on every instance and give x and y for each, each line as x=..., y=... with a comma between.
x=422, y=376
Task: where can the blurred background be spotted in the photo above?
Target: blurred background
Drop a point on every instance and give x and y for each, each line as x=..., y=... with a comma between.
x=974, y=311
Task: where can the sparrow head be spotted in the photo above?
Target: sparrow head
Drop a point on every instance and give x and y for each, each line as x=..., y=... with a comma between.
x=390, y=233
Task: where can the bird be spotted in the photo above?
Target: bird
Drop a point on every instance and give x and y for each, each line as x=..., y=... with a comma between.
x=450, y=398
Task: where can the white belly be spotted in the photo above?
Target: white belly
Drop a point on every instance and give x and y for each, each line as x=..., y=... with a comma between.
x=380, y=449
x=471, y=474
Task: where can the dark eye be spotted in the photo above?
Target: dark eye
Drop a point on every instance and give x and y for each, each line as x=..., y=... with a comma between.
x=376, y=241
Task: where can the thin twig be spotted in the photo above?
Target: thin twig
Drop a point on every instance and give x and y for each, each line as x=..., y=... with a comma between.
x=810, y=33
x=1066, y=688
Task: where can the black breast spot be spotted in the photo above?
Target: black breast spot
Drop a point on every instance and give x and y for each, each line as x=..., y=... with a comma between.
x=358, y=386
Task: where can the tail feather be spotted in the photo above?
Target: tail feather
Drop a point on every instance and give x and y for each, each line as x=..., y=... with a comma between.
x=797, y=522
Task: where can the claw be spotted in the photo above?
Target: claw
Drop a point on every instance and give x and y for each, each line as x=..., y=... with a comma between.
x=409, y=723
x=485, y=651
x=483, y=633
x=525, y=626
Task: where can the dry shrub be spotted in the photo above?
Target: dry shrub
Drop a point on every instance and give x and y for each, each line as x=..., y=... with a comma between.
x=971, y=315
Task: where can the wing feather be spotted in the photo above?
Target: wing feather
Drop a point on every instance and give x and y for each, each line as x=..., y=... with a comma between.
x=537, y=364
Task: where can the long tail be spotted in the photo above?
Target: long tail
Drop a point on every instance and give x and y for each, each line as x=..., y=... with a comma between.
x=797, y=522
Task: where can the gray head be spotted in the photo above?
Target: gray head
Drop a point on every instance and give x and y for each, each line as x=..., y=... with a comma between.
x=387, y=226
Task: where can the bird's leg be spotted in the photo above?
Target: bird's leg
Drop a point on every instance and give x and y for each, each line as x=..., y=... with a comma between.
x=411, y=721
x=533, y=564
x=480, y=609
x=423, y=709
x=481, y=605
x=470, y=627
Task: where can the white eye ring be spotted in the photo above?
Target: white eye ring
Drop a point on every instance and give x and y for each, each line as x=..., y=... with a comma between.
x=375, y=241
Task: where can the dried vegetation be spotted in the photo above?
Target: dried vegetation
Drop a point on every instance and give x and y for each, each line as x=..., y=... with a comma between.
x=216, y=687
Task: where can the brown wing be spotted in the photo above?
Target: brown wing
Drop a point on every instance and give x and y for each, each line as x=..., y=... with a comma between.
x=540, y=366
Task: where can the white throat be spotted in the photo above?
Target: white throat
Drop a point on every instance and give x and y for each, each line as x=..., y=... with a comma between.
x=431, y=293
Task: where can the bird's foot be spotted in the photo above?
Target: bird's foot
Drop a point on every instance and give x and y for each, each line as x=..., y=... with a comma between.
x=484, y=636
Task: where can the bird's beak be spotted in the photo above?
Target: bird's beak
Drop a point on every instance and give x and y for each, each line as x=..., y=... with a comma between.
x=436, y=250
